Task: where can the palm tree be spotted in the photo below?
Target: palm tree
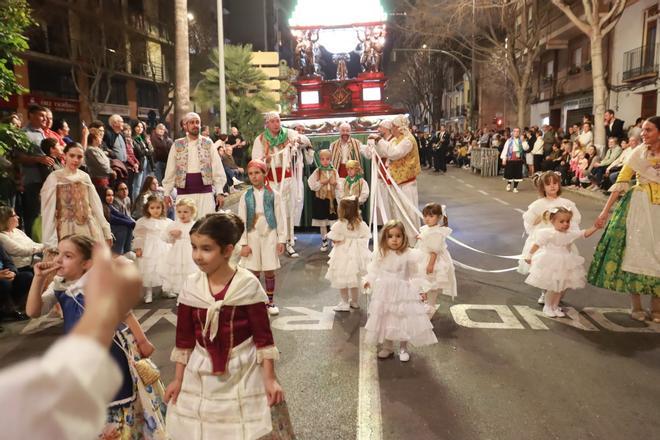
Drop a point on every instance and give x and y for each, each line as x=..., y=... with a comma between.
x=247, y=95
x=182, y=54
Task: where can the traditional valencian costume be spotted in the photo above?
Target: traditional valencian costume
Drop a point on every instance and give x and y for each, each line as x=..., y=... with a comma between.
x=71, y=205
x=324, y=208
x=513, y=169
x=137, y=411
x=353, y=186
x=275, y=150
x=627, y=258
x=222, y=338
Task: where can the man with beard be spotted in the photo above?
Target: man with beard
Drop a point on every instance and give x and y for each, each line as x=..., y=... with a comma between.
x=195, y=169
x=346, y=148
x=274, y=146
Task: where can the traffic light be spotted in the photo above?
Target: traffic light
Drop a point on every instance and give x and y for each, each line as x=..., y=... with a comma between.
x=499, y=122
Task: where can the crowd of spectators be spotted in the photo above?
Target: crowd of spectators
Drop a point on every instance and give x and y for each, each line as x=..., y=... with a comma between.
x=125, y=162
x=572, y=154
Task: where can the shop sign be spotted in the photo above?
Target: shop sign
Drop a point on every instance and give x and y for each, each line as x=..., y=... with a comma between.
x=54, y=104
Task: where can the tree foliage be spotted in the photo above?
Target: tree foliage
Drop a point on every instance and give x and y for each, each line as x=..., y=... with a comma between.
x=247, y=96
x=15, y=18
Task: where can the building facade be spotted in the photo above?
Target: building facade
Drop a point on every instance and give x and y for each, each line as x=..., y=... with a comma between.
x=93, y=58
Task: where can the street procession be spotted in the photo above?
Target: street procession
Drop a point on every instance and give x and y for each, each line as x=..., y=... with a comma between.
x=304, y=219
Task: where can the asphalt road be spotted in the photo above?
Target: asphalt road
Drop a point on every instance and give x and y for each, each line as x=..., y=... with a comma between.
x=498, y=372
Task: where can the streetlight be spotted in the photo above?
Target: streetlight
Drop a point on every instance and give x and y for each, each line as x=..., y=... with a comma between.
x=221, y=69
x=424, y=46
x=191, y=16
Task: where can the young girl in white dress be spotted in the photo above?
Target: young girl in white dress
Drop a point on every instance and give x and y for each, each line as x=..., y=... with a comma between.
x=148, y=244
x=437, y=264
x=554, y=266
x=396, y=312
x=350, y=253
x=178, y=263
x=549, y=187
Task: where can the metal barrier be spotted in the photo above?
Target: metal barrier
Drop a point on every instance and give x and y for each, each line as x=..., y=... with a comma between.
x=485, y=160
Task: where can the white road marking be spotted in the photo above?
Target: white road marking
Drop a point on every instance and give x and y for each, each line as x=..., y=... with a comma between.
x=461, y=180
x=507, y=320
x=307, y=319
x=159, y=314
x=370, y=422
x=519, y=210
x=501, y=201
x=483, y=192
x=599, y=314
x=533, y=316
x=453, y=177
x=469, y=186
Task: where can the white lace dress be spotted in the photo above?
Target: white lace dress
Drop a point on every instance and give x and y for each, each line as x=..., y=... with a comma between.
x=349, y=259
x=147, y=236
x=555, y=267
x=533, y=222
x=178, y=263
x=433, y=239
x=396, y=312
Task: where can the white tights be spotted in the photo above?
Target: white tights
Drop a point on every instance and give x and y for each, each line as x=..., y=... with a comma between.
x=352, y=290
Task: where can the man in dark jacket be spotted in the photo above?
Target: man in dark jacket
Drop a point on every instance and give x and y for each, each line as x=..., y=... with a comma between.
x=613, y=126
x=440, y=150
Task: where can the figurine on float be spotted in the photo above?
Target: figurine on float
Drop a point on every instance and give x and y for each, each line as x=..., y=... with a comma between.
x=305, y=52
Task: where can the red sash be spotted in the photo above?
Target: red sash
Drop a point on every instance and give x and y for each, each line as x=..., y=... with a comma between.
x=278, y=173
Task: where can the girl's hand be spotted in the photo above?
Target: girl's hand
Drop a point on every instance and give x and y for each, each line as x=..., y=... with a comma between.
x=145, y=348
x=274, y=392
x=138, y=253
x=424, y=297
x=172, y=391
x=601, y=220
x=44, y=269
x=367, y=285
x=175, y=233
x=280, y=248
x=246, y=251
x=6, y=274
x=528, y=261
x=429, y=269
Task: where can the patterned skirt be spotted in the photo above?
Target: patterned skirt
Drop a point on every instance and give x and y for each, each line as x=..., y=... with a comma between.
x=144, y=417
x=605, y=270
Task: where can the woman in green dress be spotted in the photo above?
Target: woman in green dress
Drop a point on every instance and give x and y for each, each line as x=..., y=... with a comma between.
x=627, y=258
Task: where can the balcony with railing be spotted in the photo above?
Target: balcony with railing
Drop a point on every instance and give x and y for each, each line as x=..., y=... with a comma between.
x=641, y=63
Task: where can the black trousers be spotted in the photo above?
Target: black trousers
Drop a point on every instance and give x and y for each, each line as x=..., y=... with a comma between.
x=13, y=293
x=440, y=159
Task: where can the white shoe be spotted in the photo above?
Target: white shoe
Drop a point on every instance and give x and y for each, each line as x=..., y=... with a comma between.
x=235, y=181
x=549, y=312
x=385, y=353
x=325, y=245
x=559, y=313
x=170, y=295
x=148, y=298
x=508, y=187
x=515, y=190
x=342, y=307
x=541, y=299
x=291, y=252
x=272, y=309
x=354, y=305
x=404, y=356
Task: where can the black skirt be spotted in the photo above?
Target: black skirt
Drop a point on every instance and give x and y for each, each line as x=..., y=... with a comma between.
x=513, y=170
x=321, y=209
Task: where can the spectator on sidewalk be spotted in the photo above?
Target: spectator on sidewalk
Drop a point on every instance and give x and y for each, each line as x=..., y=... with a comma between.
x=31, y=162
x=613, y=126
x=20, y=248
x=161, y=143
x=236, y=141
x=97, y=161
x=586, y=137
x=612, y=171
x=14, y=287
x=61, y=127
x=55, y=151
x=441, y=149
x=598, y=168
x=636, y=130
x=121, y=225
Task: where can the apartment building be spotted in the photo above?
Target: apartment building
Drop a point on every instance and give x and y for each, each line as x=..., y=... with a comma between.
x=83, y=51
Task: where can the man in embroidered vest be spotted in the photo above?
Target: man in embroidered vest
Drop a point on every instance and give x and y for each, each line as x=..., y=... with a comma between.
x=195, y=169
x=379, y=141
x=512, y=158
x=346, y=148
x=403, y=164
x=275, y=146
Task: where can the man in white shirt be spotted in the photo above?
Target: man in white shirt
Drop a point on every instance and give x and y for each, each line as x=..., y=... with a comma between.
x=195, y=169
x=346, y=148
x=64, y=394
x=612, y=171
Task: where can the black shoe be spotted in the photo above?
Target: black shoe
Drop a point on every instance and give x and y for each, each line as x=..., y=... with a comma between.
x=1, y=329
